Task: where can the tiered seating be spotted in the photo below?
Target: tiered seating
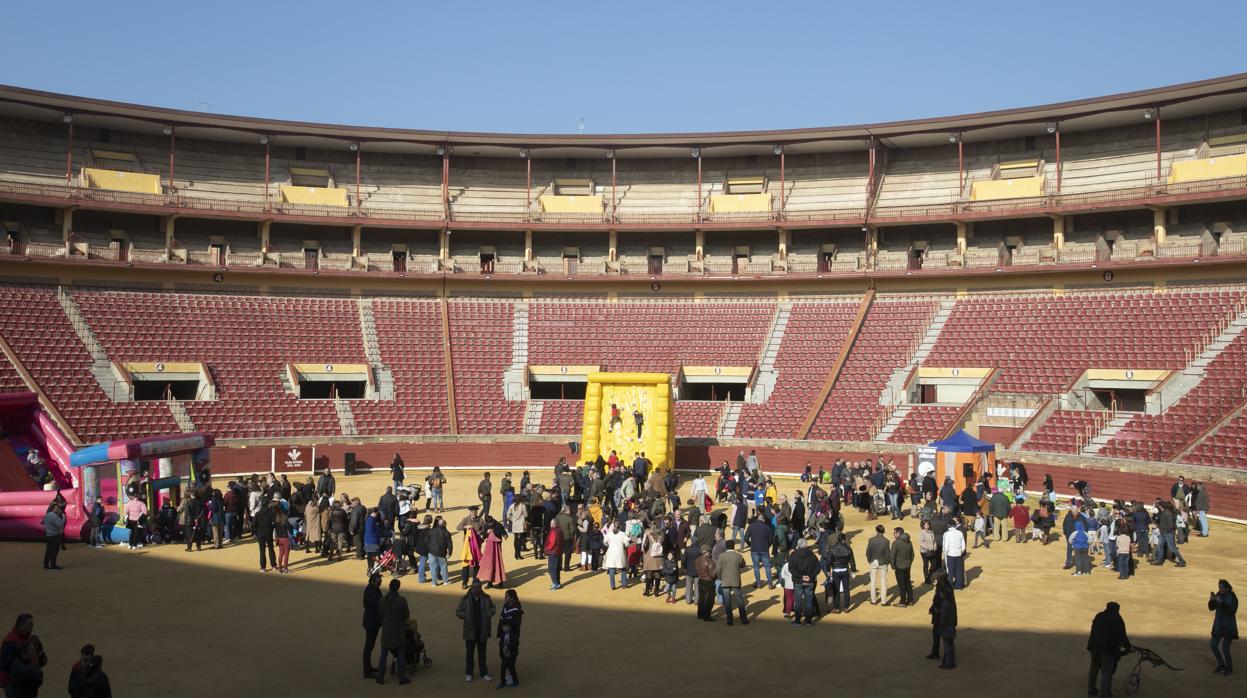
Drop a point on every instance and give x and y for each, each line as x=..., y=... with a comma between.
x=480, y=345
x=1161, y=436
x=245, y=341
x=1224, y=448
x=697, y=419
x=43, y=338
x=647, y=336
x=409, y=337
x=812, y=340
x=1059, y=433
x=887, y=338
x=924, y=424
x=1041, y=342
x=10, y=381
x=562, y=416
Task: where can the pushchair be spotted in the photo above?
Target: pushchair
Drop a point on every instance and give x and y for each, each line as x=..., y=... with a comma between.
x=1136, y=675
x=386, y=561
x=414, y=652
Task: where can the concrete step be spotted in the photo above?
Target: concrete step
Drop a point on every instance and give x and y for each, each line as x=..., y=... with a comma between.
x=532, y=416
x=1111, y=427
x=346, y=418
x=181, y=416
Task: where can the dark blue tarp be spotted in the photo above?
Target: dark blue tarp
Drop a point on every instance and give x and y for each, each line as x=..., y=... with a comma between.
x=961, y=442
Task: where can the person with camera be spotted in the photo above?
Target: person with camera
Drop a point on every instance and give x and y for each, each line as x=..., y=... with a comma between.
x=1224, y=604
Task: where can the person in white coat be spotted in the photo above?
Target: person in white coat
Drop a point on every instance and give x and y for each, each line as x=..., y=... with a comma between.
x=616, y=542
x=517, y=516
x=699, y=493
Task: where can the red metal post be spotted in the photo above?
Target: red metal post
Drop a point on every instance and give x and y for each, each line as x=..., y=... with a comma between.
x=69, y=155
x=614, y=198
x=173, y=141
x=699, y=186
x=446, y=183
x=1058, y=158
x=266, y=173
x=358, y=153
x=528, y=186
x=961, y=167
x=1158, y=147
x=781, y=182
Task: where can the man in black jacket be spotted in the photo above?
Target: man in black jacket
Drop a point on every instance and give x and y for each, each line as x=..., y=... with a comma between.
x=372, y=623
x=262, y=526
x=440, y=546
x=327, y=486
x=388, y=506
x=194, y=512
x=803, y=566
x=1107, y=644
x=355, y=521
x=484, y=493
x=758, y=538
x=842, y=566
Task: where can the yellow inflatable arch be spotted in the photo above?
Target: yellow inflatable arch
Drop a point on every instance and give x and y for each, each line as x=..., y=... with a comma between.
x=608, y=428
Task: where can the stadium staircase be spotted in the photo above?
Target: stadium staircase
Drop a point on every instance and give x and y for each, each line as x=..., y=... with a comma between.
x=1111, y=427
x=101, y=366
x=1193, y=373
x=894, y=394
x=181, y=416
x=372, y=352
x=346, y=418
x=532, y=416
x=731, y=416
x=767, y=375
x=513, y=378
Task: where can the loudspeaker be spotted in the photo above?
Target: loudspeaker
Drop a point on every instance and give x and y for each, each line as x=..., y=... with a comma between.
x=348, y=463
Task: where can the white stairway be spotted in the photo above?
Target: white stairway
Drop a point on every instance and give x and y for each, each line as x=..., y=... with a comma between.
x=895, y=390
x=101, y=367
x=1193, y=373
x=767, y=375
x=372, y=352
x=731, y=415
x=894, y=421
x=532, y=416
x=346, y=418
x=181, y=416
x=1111, y=427
x=513, y=377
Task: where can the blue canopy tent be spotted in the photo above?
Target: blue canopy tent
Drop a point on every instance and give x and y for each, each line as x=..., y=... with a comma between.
x=962, y=458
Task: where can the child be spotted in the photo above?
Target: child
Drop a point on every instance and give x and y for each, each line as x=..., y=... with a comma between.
x=670, y=573
x=1093, y=539
x=1179, y=525
x=1109, y=540
x=980, y=530
x=1153, y=538
x=806, y=474
x=1124, y=545
x=786, y=576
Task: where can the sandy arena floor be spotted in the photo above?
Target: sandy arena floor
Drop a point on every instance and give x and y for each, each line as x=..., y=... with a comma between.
x=171, y=623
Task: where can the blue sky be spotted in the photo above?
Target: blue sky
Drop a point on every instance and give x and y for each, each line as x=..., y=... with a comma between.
x=540, y=67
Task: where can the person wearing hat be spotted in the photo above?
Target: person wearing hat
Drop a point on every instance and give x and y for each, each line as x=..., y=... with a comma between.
x=394, y=615
x=476, y=610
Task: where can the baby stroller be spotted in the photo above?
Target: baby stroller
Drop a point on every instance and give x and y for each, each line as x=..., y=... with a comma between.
x=414, y=653
x=1136, y=675
x=879, y=503
x=412, y=491
x=386, y=561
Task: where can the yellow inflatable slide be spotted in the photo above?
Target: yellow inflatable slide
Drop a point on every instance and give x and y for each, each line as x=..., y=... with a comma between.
x=614, y=403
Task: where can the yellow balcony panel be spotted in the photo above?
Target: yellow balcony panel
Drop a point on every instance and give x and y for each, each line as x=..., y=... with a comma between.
x=555, y=203
x=1208, y=168
x=320, y=196
x=1020, y=188
x=740, y=203
x=309, y=172
x=134, y=182
x=1019, y=164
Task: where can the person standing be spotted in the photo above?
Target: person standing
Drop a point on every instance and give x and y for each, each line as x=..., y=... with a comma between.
x=878, y=555
x=954, y=544
x=436, y=481
x=1199, y=504
x=1106, y=644
x=843, y=566
x=999, y=508
x=25, y=673
x=440, y=547
x=944, y=622
x=803, y=568
x=705, y=570
x=262, y=527
x=928, y=549
x=517, y=517
x=476, y=610
x=509, y=638
x=191, y=525
x=553, y=546
x=507, y=490
x=135, y=511
x=901, y=557
x=1166, y=523
x=327, y=486
x=492, y=570
x=616, y=542
x=729, y=568
x=396, y=471
x=394, y=615
x=87, y=678
x=758, y=537
x=1224, y=604
x=53, y=535
x=372, y=623
x=281, y=531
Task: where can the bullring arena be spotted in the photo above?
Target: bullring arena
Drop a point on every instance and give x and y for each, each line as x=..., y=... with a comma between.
x=191, y=299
